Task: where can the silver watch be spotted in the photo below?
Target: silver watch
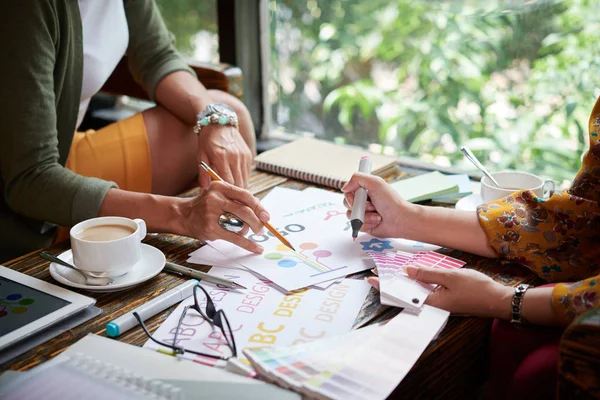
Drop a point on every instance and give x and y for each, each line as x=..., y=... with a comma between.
x=219, y=113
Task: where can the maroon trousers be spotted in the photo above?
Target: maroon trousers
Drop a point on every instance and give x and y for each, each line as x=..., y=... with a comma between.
x=524, y=362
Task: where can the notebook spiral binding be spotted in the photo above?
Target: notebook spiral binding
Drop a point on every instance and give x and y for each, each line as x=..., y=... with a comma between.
x=322, y=180
x=136, y=385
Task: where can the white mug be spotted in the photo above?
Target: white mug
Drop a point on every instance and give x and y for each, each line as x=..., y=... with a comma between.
x=513, y=181
x=111, y=258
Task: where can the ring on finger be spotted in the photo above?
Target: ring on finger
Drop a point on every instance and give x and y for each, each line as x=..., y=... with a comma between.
x=231, y=222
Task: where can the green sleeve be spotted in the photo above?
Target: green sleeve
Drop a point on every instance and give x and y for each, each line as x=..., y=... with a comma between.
x=151, y=52
x=34, y=183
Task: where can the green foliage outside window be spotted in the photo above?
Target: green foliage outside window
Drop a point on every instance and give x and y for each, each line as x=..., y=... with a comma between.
x=513, y=79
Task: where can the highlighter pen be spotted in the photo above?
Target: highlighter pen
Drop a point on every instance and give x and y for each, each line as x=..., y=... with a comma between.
x=357, y=217
x=127, y=321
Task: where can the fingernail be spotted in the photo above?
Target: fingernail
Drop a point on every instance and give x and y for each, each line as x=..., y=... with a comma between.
x=258, y=249
x=372, y=282
x=411, y=270
x=374, y=218
x=262, y=231
x=264, y=216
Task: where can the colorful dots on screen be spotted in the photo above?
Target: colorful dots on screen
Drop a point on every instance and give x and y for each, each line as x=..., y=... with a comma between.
x=14, y=304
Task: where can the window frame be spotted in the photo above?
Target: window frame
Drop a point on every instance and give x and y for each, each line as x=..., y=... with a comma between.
x=244, y=42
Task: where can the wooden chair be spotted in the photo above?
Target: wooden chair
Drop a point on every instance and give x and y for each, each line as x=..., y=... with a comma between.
x=213, y=76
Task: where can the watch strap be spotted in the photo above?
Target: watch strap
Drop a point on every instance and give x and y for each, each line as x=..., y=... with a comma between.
x=517, y=302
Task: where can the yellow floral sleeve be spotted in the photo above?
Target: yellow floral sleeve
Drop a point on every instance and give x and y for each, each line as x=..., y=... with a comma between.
x=570, y=300
x=558, y=238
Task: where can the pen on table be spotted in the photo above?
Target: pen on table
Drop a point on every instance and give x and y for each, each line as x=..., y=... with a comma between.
x=357, y=216
x=199, y=275
x=127, y=321
x=274, y=231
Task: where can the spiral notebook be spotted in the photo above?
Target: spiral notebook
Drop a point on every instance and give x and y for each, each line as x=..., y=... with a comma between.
x=321, y=162
x=100, y=368
x=80, y=376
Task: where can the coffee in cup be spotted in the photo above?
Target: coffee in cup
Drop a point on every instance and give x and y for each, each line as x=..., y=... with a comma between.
x=514, y=181
x=107, y=246
x=105, y=233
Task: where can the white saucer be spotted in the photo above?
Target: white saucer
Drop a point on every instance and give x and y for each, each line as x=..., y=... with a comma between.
x=469, y=203
x=151, y=263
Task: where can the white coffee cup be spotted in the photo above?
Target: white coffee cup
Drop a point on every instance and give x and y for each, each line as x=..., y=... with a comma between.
x=108, y=258
x=513, y=181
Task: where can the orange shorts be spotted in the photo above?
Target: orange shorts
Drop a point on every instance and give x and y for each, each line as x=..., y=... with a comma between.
x=118, y=152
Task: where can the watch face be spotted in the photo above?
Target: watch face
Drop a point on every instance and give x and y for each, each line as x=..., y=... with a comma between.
x=223, y=109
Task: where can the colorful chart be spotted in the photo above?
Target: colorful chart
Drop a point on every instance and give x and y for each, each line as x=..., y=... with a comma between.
x=377, y=245
x=395, y=287
x=333, y=213
x=15, y=304
x=287, y=258
x=365, y=364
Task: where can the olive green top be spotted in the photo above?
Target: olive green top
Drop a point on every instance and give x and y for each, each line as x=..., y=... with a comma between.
x=41, y=73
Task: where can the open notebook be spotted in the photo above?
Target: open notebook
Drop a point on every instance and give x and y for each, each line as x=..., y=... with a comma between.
x=320, y=162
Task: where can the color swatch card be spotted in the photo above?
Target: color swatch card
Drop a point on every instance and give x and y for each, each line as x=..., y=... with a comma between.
x=398, y=289
x=315, y=222
x=365, y=364
x=262, y=316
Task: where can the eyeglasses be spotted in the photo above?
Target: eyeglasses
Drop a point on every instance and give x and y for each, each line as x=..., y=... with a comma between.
x=211, y=314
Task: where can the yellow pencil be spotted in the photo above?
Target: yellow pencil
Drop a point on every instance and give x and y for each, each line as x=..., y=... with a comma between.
x=274, y=231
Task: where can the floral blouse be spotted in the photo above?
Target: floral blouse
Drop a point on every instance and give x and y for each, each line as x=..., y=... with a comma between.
x=558, y=238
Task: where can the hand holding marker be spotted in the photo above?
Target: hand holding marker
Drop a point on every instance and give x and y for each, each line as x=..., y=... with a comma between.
x=357, y=217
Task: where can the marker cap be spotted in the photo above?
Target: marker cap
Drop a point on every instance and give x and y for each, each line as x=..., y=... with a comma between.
x=112, y=329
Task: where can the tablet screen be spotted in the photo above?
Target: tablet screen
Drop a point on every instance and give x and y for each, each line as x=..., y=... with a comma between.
x=21, y=305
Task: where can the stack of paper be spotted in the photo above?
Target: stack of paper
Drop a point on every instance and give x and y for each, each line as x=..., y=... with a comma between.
x=425, y=187
x=365, y=364
x=396, y=288
x=262, y=316
x=315, y=222
x=465, y=188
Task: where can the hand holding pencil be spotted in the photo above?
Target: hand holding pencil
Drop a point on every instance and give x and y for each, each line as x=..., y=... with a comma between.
x=234, y=220
x=202, y=217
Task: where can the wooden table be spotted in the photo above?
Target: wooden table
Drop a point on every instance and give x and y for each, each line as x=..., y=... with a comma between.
x=454, y=366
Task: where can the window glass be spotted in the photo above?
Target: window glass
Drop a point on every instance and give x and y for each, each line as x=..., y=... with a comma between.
x=194, y=24
x=513, y=80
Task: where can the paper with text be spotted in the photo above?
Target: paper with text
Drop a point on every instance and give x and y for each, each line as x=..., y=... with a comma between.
x=262, y=316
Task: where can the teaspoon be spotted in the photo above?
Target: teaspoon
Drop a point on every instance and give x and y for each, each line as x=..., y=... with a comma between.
x=471, y=157
x=92, y=281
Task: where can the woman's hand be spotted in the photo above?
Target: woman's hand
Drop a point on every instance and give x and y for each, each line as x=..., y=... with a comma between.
x=386, y=213
x=463, y=291
x=200, y=215
x=224, y=149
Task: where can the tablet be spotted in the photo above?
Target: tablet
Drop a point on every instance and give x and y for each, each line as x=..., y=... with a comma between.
x=28, y=305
